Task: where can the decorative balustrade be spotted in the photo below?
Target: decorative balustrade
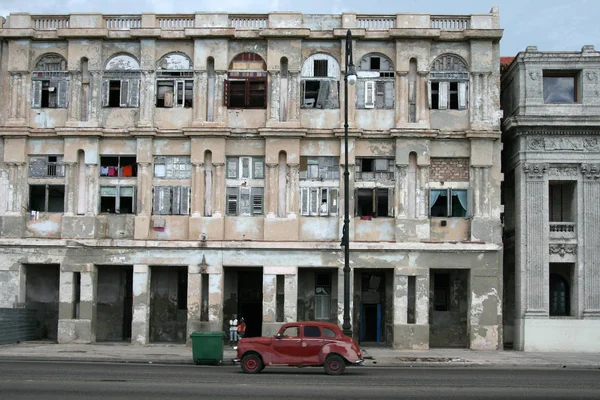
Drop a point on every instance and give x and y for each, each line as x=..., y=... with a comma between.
x=248, y=22
x=175, y=22
x=450, y=23
x=376, y=22
x=562, y=229
x=50, y=23
x=123, y=22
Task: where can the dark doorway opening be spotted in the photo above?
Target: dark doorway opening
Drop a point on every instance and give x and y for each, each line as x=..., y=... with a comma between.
x=448, y=308
x=370, y=324
x=114, y=309
x=41, y=294
x=250, y=297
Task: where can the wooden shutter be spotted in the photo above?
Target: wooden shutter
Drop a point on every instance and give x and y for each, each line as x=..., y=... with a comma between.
x=232, y=201
x=360, y=93
x=443, y=95
x=333, y=201
x=62, y=94
x=244, y=201
x=124, y=100
x=184, y=206
x=391, y=202
x=176, y=201
x=36, y=94
x=389, y=94
x=323, y=94
x=257, y=201
x=462, y=95
x=258, y=168
x=226, y=92
x=304, y=200
x=105, y=92
x=245, y=168
x=162, y=200
x=133, y=96
x=314, y=201
x=429, y=94
x=369, y=94
x=232, y=167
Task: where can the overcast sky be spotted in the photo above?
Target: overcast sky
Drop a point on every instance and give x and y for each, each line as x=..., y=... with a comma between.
x=548, y=24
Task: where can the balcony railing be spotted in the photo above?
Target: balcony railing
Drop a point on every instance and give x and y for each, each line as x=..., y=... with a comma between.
x=563, y=230
x=248, y=22
x=175, y=22
x=376, y=22
x=50, y=23
x=450, y=23
x=123, y=22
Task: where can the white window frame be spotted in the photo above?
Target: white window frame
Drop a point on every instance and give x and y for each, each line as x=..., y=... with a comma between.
x=172, y=167
x=58, y=85
x=449, y=191
x=129, y=92
x=177, y=101
x=256, y=167
x=118, y=195
x=311, y=199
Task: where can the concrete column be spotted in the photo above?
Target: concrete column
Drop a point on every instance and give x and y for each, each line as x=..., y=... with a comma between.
x=74, y=106
x=294, y=99
x=422, y=299
x=215, y=296
x=290, y=299
x=73, y=328
x=66, y=295
x=422, y=199
x=422, y=101
x=17, y=175
x=340, y=295
x=96, y=96
x=147, y=99
x=197, y=189
x=400, y=298
x=275, y=86
x=401, y=109
x=219, y=190
x=24, y=96
x=70, y=187
x=221, y=111
x=140, y=326
x=536, y=267
x=92, y=189
x=88, y=298
x=194, y=300
x=14, y=95
x=591, y=239
x=144, y=189
x=401, y=195
x=200, y=96
x=269, y=298
x=271, y=190
x=293, y=190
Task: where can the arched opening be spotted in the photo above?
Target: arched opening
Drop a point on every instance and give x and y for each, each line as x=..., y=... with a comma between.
x=375, y=84
x=560, y=290
x=49, y=82
x=411, y=184
x=210, y=96
x=412, y=90
x=449, y=79
x=208, y=183
x=121, y=82
x=81, y=183
x=283, y=90
x=174, y=81
x=247, y=83
x=282, y=185
x=320, y=82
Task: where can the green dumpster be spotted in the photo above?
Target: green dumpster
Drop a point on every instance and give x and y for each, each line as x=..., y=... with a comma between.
x=207, y=347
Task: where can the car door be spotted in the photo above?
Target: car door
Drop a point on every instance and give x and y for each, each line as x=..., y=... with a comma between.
x=287, y=346
x=312, y=342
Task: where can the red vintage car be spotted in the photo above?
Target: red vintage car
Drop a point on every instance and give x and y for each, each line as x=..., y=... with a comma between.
x=300, y=344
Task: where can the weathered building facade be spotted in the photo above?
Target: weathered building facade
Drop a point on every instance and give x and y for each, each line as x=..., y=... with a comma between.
x=161, y=173
x=551, y=162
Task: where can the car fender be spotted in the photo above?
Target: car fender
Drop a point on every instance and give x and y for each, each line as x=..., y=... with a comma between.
x=343, y=349
x=264, y=351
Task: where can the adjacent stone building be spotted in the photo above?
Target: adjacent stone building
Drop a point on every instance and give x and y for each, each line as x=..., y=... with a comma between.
x=159, y=173
x=551, y=162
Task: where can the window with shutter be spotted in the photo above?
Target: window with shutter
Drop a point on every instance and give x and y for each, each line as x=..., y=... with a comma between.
x=36, y=94
x=447, y=87
x=257, y=201
x=124, y=93
x=62, y=94
x=245, y=167
x=314, y=201
x=258, y=169
x=176, y=202
x=304, y=200
x=244, y=201
x=360, y=94
x=232, y=201
x=105, y=92
x=462, y=95
x=389, y=95
x=443, y=95
x=333, y=201
x=161, y=200
x=232, y=167
x=369, y=94
x=133, y=95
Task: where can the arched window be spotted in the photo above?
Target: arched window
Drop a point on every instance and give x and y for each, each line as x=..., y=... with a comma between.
x=121, y=82
x=448, y=83
x=50, y=82
x=174, y=81
x=246, y=86
x=559, y=296
x=320, y=80
x=375, y=83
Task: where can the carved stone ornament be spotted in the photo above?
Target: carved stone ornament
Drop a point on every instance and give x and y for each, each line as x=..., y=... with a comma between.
x=590, y=143
x=536, y=144
x=534, y=75
x=563, y=171
x=535, y=170
x=592, y=76
x=563, y=249
x=590, y=171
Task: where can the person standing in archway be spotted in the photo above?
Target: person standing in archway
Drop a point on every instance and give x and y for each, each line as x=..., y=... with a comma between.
x=241, y=329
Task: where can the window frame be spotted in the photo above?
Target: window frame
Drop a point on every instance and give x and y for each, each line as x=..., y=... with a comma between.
x=40, y=85
x=184, y=102
x=127, y=84
x=311, y=199
x=118, y=196
x=171, y=200
x=53, y=169
x=378, y=174
x=449, y=209
x=247, y=92
x=375, y=197
x=574, y=74
x=47, y=188
x=173, y=165
x=256, y=197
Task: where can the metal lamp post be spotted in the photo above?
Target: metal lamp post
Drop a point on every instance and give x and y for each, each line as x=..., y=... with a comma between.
x=349, y=77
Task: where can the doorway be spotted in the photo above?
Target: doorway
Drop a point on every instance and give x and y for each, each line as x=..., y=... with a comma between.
x=41, y=295
x=448, y=308
x=250, y=289
x=114, y=307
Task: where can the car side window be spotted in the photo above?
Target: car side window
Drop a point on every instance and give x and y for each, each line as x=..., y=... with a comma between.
x=291, y=331
x=328, y=332
x=312, y=331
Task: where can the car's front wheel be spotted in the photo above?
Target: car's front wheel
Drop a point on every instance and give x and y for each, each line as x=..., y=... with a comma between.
x=252, y=364
x=334, y=365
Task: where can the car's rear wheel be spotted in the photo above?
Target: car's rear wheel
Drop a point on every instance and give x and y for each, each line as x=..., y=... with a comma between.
x=252, y=364
x=334, y=365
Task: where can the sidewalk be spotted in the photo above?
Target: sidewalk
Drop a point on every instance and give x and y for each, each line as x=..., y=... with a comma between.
x=374, y=356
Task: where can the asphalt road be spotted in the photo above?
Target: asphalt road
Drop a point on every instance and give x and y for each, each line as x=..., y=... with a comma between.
x=66, y=380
